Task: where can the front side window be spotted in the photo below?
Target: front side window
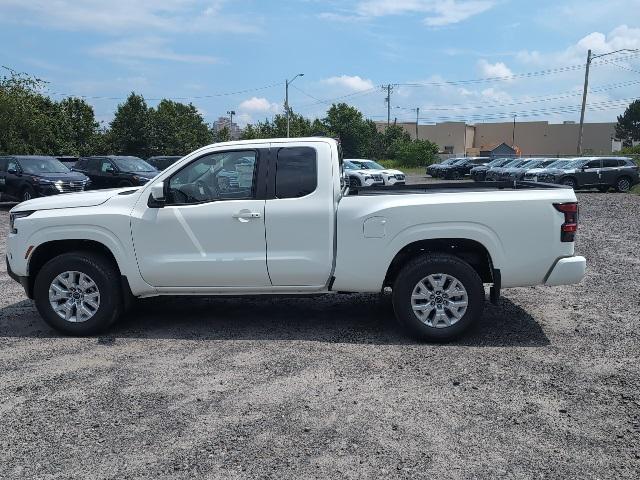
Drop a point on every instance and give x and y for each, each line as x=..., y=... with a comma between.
x=106, y=166
x=593, y=164
x=296, y=172
x=610, y=162
x=217, y=176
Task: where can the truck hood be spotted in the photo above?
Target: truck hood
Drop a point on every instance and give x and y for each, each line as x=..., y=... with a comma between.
x=90, y=198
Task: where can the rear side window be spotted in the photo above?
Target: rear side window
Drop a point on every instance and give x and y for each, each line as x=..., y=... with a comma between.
x=81, y=163
x=296, y=172
x=3, y=164
x=92, y=164
x=610, y=162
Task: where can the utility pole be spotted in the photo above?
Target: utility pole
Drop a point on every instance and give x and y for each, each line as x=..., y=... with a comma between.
x=584, y=101
x=513, y=134
x=389, y=88
x=590, y=58
x=417, y=119
x=286, y=99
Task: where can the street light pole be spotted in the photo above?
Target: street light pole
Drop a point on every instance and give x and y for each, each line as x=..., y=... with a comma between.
x=286, y=99
x=231, y=113
x=417, y=118
x=590, y=58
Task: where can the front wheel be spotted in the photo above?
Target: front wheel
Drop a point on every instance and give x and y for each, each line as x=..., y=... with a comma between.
x=27, y=194
x=437, y=297
x=78, y=293
x=568, y=182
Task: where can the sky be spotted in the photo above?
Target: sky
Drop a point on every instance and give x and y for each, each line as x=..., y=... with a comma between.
x=455, y=60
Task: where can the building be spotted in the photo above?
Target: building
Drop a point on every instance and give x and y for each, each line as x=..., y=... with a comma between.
x=532, y=138
x=234, y=129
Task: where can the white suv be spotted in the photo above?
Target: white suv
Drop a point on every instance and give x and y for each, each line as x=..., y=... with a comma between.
x=361, y=177
x=389, y=175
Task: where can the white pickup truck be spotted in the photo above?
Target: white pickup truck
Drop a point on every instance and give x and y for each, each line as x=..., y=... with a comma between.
x=275, y=217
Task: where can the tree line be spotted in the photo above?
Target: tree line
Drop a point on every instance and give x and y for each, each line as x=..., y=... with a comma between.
x=33, y=123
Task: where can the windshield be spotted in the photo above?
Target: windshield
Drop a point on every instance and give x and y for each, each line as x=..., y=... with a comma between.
x=349, y=165
x=449, y=161
x=132, y=164
x=575, y=163
x=372, y=165
x=35, y=166
x=533, y=164
x=497, y=162
x=558, y=164
x=512, y=163
x=459, y=161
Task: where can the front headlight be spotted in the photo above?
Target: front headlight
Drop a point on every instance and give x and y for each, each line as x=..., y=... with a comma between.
x=43, y=181
x=15, y=216
x=368, y=177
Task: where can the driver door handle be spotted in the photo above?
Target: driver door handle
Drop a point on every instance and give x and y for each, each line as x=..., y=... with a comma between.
x=246, y=215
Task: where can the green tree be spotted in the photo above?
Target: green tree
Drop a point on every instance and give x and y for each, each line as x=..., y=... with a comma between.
x=222, y=135
x=347, y=124
x=130, y=129
x=177, y=129
x=78, y=126
x=628, y=126
x=414, y=153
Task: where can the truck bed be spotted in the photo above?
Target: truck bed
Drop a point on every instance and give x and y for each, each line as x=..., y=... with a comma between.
x=449, y=187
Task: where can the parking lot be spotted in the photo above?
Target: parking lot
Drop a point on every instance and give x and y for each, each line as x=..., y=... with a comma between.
x=547, y=385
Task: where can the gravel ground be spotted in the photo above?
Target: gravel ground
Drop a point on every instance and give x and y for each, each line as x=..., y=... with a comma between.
x=547, y=385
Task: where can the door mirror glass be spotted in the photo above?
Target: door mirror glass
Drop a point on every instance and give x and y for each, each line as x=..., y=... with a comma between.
x=110, y=169
x=12, y=171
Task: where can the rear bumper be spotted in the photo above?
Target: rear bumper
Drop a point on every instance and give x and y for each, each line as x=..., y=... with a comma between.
x=566, y=271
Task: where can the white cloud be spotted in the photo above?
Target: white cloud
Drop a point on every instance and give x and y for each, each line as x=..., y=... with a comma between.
x=258, y=105
x=148, y=48
x=439, y=12
x=490, y=70
x=118, y=16
x=354, y=83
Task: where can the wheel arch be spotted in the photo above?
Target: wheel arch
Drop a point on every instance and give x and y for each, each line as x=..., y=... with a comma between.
x=471, y=251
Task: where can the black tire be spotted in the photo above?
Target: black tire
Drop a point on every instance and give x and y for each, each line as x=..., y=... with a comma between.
x=27, y=194
x=354, y=182
x=623, y=184
x=125, y=184
x=419, y=268
x=569, y=182
x=101, y=271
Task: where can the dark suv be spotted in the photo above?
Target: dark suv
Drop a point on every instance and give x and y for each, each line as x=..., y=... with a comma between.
x=434, y=168
x=590, y=172
x=163, y=161
x=479, y=173
x=463, y=167
x=113, y=171
x=23, y=177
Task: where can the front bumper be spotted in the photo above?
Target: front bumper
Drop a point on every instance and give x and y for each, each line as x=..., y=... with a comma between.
x=567, y=271
x=24, y=281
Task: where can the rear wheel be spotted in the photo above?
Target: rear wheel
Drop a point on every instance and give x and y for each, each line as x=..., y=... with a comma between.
x=437, y=297
x=78, y=293
x=623, y=184
x=568, y=182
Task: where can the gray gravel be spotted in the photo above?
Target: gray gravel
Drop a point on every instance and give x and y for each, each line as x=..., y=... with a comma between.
x=546, y=386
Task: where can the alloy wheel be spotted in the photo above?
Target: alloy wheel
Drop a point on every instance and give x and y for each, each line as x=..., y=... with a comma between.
x=439, y=300
x=74, y=296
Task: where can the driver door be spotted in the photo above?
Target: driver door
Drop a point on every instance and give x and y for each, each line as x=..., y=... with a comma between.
x=211, y=232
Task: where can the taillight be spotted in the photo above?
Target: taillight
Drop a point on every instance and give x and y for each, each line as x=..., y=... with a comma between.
x=570, y=226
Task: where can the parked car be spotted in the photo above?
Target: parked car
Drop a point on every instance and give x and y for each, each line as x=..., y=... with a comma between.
x=494, y=174
x=162, y=162
x=432, y=170
x=531, y=175
x=479, y=173
x=389, y=175
x=461, y=168
x=68, y=161
x=517, y=173
x=23, y=177
x=602, y=173
x=115, y=171
x=359, y=177
x=290, y=229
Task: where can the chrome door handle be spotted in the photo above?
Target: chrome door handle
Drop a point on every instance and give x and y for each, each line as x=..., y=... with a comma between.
x=246, y=215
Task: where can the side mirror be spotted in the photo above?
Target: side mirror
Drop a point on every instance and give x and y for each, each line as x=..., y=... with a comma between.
x=157, y=198
x=110, y=170
x=12, y=171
